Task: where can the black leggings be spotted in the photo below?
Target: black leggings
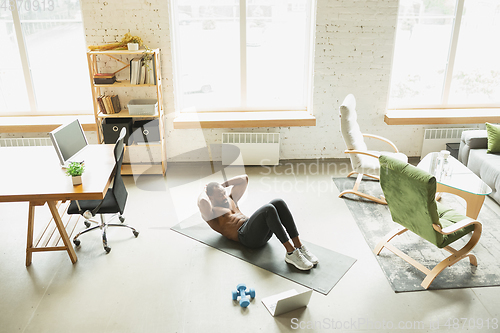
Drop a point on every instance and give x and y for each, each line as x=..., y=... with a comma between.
x=266, y=221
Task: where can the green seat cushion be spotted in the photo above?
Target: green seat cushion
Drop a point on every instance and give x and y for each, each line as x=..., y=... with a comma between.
x=493, y=132
x=447, y=217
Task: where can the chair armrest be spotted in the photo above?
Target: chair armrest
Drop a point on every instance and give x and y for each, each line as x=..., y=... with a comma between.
x=352, y=151
x=455, y=227
x=475, y=139
x=381, y=138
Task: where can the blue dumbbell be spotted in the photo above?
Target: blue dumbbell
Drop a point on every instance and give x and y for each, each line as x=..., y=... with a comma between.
x=241, y=291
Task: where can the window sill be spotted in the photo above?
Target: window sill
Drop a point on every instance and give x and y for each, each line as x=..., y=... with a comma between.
x=35, y=124
x=244, y=119
x=442, y=116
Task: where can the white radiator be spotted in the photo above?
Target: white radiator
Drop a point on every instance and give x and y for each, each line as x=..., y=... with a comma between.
x=435, y=139
x=21, y=142
x=250, y=148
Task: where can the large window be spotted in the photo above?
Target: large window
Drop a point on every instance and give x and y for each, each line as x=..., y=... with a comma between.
x=446, y=54
x=43, y=69
x=242, y=55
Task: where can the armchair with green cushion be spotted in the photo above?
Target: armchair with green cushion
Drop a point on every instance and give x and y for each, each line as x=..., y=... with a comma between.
x=364, y=162
x=410, y=194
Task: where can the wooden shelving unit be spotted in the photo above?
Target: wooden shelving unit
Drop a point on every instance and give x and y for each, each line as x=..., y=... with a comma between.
x=93, y=58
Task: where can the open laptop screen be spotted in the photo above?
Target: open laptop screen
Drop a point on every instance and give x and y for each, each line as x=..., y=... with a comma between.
x=286, y=301
x=68, y=140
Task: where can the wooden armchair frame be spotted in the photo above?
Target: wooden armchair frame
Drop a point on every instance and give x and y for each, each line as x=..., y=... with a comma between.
x=456, y=255
x=355, y=191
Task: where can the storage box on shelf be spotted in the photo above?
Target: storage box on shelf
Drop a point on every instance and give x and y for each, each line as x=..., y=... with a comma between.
x=111, y=128
x=146, y=107
x=145, y=152
x=144, y=131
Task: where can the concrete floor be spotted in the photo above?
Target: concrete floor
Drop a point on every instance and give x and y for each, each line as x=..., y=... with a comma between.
x=165, y=282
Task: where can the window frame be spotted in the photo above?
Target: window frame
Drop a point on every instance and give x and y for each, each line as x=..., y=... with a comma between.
x=448, y=75
x=28, y=80
x=308, y=75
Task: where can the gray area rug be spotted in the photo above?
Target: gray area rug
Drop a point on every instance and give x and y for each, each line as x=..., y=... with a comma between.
x=374, y=221
x=271, y=257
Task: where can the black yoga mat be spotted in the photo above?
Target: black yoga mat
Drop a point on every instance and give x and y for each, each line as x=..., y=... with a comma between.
x=322, y=278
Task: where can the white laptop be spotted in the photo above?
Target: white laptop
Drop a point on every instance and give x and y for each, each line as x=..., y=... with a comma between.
x=286, y=301
x=69, y=140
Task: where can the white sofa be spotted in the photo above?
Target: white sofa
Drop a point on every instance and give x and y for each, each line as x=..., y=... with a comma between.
x=472, y=153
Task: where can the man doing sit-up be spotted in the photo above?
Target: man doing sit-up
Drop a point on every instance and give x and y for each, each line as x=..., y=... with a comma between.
x=223, y=215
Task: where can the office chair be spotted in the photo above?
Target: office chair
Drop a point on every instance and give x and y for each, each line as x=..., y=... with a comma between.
x=410, y=193
x=113, y=202
x=364, y=162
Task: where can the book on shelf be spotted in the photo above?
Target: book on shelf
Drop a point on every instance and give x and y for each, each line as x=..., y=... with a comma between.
x=116, y=103
x=100, y=102
x=142, y=71
x=104, y=78
x=109, y=107
x=150, y=71
x=142, y=79
x=135, y=70
x=104, y=75
x=109, y=104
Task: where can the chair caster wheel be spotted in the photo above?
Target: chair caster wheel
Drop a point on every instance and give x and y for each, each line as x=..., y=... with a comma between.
x=107, y=249
x=136, y=233
x=121, y=218
x=76, y=242
x=87, y=224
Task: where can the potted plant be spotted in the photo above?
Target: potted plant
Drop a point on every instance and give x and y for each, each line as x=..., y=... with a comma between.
x=133, y=42
x=75, y=170
x=133, y=46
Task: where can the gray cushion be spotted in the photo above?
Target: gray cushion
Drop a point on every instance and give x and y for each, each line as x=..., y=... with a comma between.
x=475, y=139
x=487, y=167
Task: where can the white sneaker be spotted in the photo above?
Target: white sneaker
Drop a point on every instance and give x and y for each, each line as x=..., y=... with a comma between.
x=308, y=255
x=298, y=260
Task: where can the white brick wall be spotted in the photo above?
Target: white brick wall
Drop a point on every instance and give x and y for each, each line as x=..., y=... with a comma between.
x=353, y=54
